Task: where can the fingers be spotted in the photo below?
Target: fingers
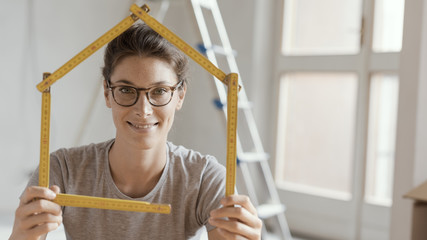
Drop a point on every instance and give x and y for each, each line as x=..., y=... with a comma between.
x=241, y=200
x=45, y=218
x=42, y=229
x=38, y=206
x=233, y=229
x=235, y=222
x=246, y=213
x=37, y=200
x=224, y=234
x=239, y=213
x=37, y=214
x=55, y=189
x=34, y=192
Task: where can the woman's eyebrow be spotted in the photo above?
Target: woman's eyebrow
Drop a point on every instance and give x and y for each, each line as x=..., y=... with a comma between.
x=159, y=83
x=125, y=82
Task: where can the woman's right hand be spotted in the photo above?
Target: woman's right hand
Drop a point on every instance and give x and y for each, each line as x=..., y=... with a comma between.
x=36, y=214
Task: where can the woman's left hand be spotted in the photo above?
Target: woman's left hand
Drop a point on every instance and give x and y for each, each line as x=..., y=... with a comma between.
x=236, y=222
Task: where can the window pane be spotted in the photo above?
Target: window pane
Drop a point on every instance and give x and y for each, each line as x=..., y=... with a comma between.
x=316, y=129
x=388, y=25
x=381, y=137
x=327, y=27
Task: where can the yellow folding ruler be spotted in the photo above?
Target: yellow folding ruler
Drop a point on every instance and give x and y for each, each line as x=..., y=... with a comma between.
x=44, y=137
x=110, y=203
x=233, y=89
x=126, y=205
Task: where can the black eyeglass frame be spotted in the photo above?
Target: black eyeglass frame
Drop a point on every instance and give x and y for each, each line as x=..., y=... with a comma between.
x=146, y=90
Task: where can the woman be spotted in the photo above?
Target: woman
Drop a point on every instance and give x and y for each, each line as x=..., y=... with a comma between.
x=144, y=84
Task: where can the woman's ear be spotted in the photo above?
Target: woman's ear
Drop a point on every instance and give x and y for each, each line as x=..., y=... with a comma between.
x=181, y=96
x=106, y=94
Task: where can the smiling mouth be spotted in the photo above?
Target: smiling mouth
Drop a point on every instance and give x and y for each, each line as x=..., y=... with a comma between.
x=143, y=126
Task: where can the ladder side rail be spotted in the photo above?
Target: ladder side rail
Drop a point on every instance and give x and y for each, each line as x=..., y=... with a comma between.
x=209, y=53
x=265, y=168
x=283, y=223
x=242, y=95
x=225, y=43
x=233, y=66
x=230, y=59
x=164, y=7
x=254, y=131
x=211, y=56
x=248, y=114
x=223, y=36
x=249, y=184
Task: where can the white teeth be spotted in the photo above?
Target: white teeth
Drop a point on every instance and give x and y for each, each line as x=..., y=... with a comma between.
x=144, y=126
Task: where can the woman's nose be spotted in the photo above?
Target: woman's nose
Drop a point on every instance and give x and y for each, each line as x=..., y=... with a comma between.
x=143, y=105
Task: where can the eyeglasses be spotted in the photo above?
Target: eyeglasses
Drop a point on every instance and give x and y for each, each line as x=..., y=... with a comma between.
x=157, y=96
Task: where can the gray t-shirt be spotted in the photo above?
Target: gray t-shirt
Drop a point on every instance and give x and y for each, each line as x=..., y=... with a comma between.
x=192, y=183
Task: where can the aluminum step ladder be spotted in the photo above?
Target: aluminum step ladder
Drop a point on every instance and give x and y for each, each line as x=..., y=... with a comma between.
x=254, y=177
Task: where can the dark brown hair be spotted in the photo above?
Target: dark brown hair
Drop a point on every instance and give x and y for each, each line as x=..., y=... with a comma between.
x=140, y=40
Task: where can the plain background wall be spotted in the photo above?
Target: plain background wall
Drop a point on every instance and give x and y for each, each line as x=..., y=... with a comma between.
x=40, y=36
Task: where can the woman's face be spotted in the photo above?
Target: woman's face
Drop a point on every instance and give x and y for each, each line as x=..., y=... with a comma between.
x=142, y=125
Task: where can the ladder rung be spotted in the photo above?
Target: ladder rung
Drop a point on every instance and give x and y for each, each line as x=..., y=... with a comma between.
x=205, y=3
x=217, y=50
x=241, y=104
x=270, y=210
x=244, y=105
x=271, y=236
x=252, y=157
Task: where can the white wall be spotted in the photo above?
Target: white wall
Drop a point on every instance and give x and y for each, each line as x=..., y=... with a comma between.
x=39, y=36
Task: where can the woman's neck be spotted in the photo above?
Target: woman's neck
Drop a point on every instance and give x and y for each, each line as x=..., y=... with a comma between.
x=136, y=171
